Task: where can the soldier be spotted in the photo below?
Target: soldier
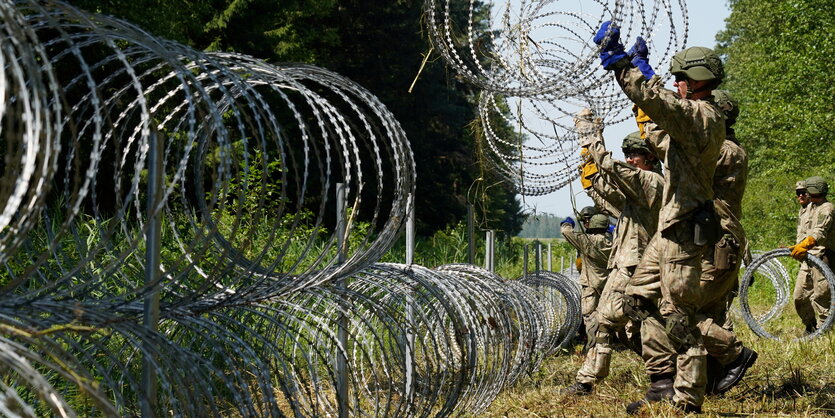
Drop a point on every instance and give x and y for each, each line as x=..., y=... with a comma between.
x=637, y=188
x=586, y=213
x=720, y=274
x=687, y=130
x=585, y=216
x=816, y=236
x=721, y=268
x=594, y=247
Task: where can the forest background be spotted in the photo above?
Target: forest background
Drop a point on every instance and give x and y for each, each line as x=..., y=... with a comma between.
x=778, y=57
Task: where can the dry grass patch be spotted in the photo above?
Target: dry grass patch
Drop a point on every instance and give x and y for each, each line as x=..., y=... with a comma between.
x=789, y=379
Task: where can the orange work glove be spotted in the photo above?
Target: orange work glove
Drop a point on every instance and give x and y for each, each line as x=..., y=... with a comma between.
x=799, y=251
x=579, y=263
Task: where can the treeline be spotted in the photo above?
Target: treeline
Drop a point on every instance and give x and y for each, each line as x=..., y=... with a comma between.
x=381, y=48
x=542, y=225
x=778, y=58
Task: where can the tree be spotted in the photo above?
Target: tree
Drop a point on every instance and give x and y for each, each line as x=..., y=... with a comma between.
x=378, y=47
x=778, y=59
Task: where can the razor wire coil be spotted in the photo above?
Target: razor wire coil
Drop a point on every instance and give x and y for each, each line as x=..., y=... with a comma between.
x=536, y=66
x=113, y=135
x=757, y=323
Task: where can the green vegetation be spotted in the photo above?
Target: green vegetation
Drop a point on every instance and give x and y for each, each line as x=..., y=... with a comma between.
x=778, y=56
x=381, y=48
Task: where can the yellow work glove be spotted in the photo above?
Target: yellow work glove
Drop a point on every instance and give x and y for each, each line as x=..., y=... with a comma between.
x=588, y=169
x=641, y=119
x=579, y=263
x=586, y=173
x=799, y=251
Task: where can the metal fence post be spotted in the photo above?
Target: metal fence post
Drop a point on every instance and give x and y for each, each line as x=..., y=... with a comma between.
x=549, y=257
x=410, y=314
x=489, y=251
x=152, y=269
x=538, y=255
x=470, y=235
x=525, y=261
x=342, y=321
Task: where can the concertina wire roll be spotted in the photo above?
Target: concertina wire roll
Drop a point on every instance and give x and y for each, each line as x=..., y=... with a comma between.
x=136, y=169
x=536, y=66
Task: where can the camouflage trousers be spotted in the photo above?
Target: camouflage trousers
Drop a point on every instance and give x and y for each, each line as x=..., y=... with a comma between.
x=589, y=299
x=692, y=305
x=811, y=293
x=609, y=319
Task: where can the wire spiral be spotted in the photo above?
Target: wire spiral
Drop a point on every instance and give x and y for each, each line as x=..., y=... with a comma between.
x=136, y=169
x=764, y=264
x=536, y=66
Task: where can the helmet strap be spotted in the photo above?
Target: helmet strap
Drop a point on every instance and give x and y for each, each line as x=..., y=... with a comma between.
x=706, y=87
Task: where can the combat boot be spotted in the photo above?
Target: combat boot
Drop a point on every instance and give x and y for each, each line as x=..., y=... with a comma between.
x=735, y=371
x=687, y=408
x=577, y=389
x=660, y=389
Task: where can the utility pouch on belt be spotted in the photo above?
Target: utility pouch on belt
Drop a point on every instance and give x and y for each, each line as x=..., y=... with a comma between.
x=706, y=225
x=725, y=253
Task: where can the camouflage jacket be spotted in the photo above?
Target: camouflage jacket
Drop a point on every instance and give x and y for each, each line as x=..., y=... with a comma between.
x=821, y=227
x=594, y=251
x=729, y=186
x=803, y=222
x=731, y=176
x=641, y=192
x=686, y=135
x=607, y=199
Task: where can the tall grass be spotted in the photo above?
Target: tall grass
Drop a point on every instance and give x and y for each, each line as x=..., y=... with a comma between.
x=789, y=378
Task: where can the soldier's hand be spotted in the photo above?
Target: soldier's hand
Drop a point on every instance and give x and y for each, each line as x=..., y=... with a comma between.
x=587, y=126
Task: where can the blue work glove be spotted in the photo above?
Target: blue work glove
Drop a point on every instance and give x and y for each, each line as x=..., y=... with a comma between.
x=612, y=52
x=640, y=57
x=610, y=229
x=568, y=221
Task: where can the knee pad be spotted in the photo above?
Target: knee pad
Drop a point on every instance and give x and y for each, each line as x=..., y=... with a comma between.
x=634, y=307
x=592, y=329
x=681, y=333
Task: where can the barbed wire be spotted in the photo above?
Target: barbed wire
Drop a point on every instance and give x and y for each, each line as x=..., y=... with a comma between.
x=137, y=168
x=536, y=66
x=766, y=264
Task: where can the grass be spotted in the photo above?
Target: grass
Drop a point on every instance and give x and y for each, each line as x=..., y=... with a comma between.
x=788, y=379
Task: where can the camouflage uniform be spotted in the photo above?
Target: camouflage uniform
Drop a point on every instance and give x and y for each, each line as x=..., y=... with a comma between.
x=609, y=199
x=687, y=135
x=729, y=183
x=811, y=291
x=594, y=249
x=717, y=284
x=639, y=193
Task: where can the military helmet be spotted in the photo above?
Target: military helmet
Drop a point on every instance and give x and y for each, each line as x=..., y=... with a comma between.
x=800, y=185
x=588, y=211
x=634, y=143
x=729, y=105
x=816, y=185
x=599, y=221
x=698, y=63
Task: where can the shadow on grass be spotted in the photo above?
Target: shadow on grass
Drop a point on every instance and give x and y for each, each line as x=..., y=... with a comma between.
x=820, y=397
